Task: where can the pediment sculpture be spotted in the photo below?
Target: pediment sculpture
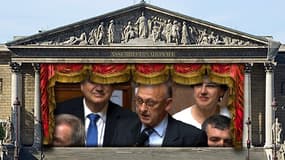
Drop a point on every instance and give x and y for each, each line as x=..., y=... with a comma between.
x=146, y=29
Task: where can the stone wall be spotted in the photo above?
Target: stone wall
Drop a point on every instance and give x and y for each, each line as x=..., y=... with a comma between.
x=258, y=104
x=27, y=115
x=280, y=93
x=5, y=91
x=258, y=100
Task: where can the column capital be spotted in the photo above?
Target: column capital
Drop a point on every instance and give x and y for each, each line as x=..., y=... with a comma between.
x=15, y=67
x=248, y=67
x=269, y=67
x=37, y=67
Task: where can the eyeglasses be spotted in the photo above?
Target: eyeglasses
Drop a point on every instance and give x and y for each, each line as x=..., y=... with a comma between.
x=149, y=103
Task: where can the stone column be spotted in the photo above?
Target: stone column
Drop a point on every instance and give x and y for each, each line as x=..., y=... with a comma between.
x=37, y=110
x=16, y=82
x=16, y=96
x=268, y=108
x=247, y=105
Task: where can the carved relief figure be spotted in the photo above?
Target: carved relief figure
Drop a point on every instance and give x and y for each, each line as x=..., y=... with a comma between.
x=193, y=34
x=175, y=36
x=142, y=26
x=8, y=131
x=92, y=36
x=3, y=151
x=111, y=32
x=276, y=131
x=100, y=34
x=281, y=152
x=156, y=32
x=219, y=40
x=163, y=24
x=211, y=38
x=203, y=40
x=82, y=39
x=149, y=23
x=154, y=27
x=168, y=30
x=129, y=32
x=226, y=40
x=185, y=35
x=73, y=40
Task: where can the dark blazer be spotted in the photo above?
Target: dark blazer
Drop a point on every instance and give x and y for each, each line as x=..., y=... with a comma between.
x=115, y=115
x=178, y=134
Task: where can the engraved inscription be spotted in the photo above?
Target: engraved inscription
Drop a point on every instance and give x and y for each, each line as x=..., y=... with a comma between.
x=143, y=54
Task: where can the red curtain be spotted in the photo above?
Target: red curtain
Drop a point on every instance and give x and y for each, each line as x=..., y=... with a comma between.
x=231, y=75
x=150, y=73
x=187, y=74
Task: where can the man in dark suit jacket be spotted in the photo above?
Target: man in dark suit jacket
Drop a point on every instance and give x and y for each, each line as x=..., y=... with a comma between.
x=97, y=100
x=155, y=127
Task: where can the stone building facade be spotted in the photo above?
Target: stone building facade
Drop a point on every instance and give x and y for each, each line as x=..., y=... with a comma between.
x=120, y=37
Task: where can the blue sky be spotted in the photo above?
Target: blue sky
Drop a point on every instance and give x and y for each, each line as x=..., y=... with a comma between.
x=257, y=17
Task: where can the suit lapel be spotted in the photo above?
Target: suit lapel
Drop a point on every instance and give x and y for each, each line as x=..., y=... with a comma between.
x=78, y=109
x=171, y=136
x=111, y=121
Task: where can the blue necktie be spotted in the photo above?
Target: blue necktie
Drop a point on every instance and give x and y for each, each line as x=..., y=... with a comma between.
x=142, y=140
x=92, y=133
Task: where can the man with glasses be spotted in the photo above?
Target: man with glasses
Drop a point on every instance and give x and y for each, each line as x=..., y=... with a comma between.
x=99, y=115
x=156, y=127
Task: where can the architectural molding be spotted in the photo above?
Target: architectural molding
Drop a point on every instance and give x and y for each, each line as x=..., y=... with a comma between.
x=269, y=67
x=248, y=68
x=16, y=67
x=142, y=25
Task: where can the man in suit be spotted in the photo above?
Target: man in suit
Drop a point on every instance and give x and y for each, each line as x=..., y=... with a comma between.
x=96, y=101
x=155, y=127
x=68, y=132
x=218, y=131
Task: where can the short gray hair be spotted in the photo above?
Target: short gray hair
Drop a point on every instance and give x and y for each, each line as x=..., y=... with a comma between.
x=78, y=130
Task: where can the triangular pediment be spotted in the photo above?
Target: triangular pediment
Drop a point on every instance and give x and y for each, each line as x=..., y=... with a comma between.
x=142, y=25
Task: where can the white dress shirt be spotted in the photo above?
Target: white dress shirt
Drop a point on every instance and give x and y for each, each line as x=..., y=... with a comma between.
x=156, y=138
x=101, y=122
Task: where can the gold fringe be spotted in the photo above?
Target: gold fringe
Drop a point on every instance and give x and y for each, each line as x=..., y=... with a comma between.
x=119, y=77
x=192, y=78
x=52, y=104
x=154, y=78
x=96, y=78
x=73, y=77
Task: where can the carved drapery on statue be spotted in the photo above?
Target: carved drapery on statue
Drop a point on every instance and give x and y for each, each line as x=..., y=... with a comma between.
x=231, y=75
x=149, y=27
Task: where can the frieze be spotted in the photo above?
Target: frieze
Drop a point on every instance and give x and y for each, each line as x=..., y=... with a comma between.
x=144, y=27
x=143, y=54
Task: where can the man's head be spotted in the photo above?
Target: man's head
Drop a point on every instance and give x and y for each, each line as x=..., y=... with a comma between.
x=153, y=102
x=69, y=131
x=207, y=94
x=218, y=131
x=96, y=95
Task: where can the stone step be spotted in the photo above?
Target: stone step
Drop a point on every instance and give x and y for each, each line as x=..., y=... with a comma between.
x=153, y=153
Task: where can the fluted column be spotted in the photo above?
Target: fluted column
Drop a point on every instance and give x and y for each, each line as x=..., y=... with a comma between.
x=37, y=110
x=268, y=100
x=247, y=105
